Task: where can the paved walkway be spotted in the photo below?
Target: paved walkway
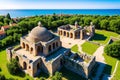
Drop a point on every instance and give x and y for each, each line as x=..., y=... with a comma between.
x=68, y=43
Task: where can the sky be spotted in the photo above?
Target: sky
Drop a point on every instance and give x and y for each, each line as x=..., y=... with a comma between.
x=59, y=4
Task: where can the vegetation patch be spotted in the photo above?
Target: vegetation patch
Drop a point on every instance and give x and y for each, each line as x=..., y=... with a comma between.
x=117, y=73
x=102, y=36
x=110, y=64
x=5, y=72
x=89, y=48
x=75, y=48
x=113, y=49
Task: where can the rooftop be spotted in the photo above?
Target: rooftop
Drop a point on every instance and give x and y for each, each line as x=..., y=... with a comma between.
x=2, y=32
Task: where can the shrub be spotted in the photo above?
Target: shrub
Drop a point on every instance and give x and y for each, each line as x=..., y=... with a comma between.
x=13, y=67
x=57, y=76
x=2, y=77
x=0, y=69
x=113, y=49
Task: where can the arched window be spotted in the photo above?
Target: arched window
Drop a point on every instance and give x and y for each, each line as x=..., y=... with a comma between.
x=23, y=45
x=38, y=66
x=31, y=49
x=64, y=33
x=17, y=58
x=71, y=35
x=27, y=47
x=56, y=44
x=24, y=65
x=67, y=34
x=53, y=45
x=49, y=48
x=40, y=49
x=60, y=32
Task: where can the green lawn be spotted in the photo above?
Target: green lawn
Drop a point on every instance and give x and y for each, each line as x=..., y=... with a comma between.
x=89, y=48
x=102, y=36
x=117, y=73
x=111, y=62
x=75, y=48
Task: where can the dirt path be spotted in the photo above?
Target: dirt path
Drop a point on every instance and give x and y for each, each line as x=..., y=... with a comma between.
x=100, y=59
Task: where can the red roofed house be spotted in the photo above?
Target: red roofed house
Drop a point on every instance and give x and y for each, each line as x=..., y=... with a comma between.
x=2, y=34
x=4, y=28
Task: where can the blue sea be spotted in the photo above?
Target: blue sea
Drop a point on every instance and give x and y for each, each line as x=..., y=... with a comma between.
x=33, y=12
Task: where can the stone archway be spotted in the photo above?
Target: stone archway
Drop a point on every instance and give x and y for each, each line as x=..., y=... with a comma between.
x=24, y=65
x=60, y=32
x=49, y=48
x=71, y=35
x=67, y=34
x=27, y=47
x=64, y=33
x=40, y=49
x=56, y=44
x=53, y=45
x=23, y=45
x=17, y=58
x=31, y=49
x=38, y=66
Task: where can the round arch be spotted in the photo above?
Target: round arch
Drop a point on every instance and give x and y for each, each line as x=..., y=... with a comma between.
x=23, y=44
x=67, y=34
x=49, y=48
x=27, y=47
x=24, y=65
x=53, y=45
x=17, y=58
x=64, y=33
x=71, y=35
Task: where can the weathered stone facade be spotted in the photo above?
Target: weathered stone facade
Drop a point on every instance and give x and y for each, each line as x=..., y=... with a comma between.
x=41, y=50
x=76, y=31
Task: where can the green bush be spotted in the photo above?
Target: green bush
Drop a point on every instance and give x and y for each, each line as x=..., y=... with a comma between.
x=57, y=76
x=113, y=49
x=13, y=67
x=2, y=77
x=0, y=69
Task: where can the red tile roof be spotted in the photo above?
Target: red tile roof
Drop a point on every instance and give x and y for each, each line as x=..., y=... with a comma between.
x=2, y=32
x=6, y=27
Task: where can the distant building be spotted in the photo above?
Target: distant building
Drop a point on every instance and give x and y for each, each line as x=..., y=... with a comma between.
x=41, y=50
x=4, y=28
x=2, y=34
x=76, y=31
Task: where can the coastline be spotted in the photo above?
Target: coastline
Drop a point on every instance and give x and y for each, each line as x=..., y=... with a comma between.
x=33, y=12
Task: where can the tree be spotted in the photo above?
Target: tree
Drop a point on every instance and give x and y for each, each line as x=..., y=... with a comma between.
x=104, y=24
x=113, y=49
x=2, y=77
x=13, y=67
x=8, y=16
x=57, y=76
x=115, y=25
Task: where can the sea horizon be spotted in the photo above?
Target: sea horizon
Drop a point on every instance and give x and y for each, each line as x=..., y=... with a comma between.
x=33, y=12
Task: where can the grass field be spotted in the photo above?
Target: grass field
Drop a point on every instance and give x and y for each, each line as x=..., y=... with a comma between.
x=111, y=62
x=89, y=48
x=75, y=48
x=117, y=73
x=102, y=36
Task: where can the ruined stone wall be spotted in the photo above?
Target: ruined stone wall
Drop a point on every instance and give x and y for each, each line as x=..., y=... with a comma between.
x=71, y=65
